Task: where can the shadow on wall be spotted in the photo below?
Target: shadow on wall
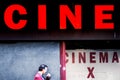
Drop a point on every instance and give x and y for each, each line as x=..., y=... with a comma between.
x=20, y=61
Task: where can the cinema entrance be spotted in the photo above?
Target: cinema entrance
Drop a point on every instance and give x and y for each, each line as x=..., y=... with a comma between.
x=91, y=60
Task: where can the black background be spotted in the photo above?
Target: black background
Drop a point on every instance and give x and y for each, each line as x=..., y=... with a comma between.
x=53, y=13
x=31, y=29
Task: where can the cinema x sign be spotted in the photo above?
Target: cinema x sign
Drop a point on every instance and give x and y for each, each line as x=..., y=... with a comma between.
x=89, y=64
x=59, y=16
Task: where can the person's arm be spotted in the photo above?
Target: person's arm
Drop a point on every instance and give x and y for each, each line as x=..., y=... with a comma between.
x=37, y=78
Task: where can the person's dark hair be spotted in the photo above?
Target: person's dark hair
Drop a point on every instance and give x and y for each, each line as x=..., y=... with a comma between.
x=42, y=66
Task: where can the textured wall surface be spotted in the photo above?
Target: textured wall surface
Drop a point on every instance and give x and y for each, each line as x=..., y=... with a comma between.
x=20, y=61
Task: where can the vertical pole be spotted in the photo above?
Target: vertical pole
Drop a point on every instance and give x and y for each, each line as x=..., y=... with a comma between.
x=62, y=61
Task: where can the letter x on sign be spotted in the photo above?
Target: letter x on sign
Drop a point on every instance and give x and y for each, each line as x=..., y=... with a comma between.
x=90, y=72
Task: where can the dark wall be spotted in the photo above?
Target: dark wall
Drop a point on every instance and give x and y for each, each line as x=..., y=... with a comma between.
x=20, y=61
x=92, y=44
